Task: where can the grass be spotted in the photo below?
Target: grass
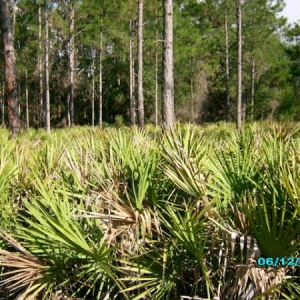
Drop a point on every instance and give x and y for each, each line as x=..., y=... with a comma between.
x=143, y=214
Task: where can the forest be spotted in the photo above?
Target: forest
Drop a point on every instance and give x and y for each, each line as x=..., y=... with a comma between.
x=149, y=150
x=103, y=68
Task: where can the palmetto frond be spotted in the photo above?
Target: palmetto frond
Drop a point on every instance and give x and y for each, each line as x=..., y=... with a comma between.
x=24, y=271
x=185, y=158
x=135, y=214
x=26, y=274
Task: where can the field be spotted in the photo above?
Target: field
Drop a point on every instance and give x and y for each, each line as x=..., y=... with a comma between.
x=125, y=213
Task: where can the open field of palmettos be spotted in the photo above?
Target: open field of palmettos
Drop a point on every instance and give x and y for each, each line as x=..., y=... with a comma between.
x=131, y=214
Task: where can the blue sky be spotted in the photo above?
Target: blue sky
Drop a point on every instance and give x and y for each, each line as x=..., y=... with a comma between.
x=292, y=10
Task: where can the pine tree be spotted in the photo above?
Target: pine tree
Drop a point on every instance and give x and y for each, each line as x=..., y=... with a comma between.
x=47, y=87
x=168, y=75
x=10, y=74
x=140, y=64
x=239, y=63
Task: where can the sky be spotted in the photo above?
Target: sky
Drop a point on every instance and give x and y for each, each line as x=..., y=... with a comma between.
x=292, y=10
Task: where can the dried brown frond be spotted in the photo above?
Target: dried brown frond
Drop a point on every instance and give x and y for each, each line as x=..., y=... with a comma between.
x=25, y=273
x=120, y=217
x=251, y=281
x=13, y=242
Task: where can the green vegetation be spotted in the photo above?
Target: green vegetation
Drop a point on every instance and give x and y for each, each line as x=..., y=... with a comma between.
x=149, y=213
x=105, y=61
x=131, y=213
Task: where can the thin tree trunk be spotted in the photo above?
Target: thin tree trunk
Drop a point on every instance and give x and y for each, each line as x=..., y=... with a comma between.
x=72, y=61
x=228, y=100
x=26, y=100
x=156, y=83
x=100, y=81
x=131, y=67
x=47, y=91
x=168, y=68
x=252, y=88
x=93, y=93
x=239, y=71
x=2, y=105
x=192, y=92
x=156, y=64
x=68, y=114
x=9, y=66
x=134, y=90
x=40, y=67
x=140, y=65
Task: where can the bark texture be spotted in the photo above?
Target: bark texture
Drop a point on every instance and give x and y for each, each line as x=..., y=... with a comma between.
x=239, y=60
x=156, y=63
x=47, y=89
x=140, y=66
x=228, y=99
x=252, y=88
x=72, y=62
x=93, y=93
x=168, y=67
x=40, y=67
x=9, y=65
x=100, y=81
x=132, y=76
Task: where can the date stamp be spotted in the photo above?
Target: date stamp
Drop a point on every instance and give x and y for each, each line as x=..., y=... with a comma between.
x=278, y=261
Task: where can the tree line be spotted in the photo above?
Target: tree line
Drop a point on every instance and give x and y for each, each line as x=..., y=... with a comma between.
x=79, y=62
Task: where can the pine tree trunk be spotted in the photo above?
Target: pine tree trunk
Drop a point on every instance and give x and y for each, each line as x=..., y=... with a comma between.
x=192, y=92
x=168, y=68
x=72, y=61
x=26, y=100
x=93, y=93
x=9, y=63
x=68, y=114
x=228, y=100
x=239, y=71
x=252, y=88
x=131, y=66
x=156, y=64
x=140, y=65
x=134, y=90
x=156, y=82
x=47, y=91
x=100, y=81
x=40, y=67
